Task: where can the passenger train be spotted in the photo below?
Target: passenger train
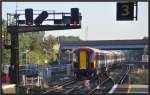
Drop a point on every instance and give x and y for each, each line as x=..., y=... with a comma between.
x=88, y=62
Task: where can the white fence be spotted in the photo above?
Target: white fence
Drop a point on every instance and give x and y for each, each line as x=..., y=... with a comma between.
x=45, y=73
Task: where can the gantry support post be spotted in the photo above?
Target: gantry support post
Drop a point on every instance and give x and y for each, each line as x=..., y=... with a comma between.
x=14, y=65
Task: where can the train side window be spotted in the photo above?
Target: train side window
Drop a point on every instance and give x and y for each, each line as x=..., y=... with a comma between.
x=102, y=57
x=91, y=57
x=97, y=57
x=75, y=58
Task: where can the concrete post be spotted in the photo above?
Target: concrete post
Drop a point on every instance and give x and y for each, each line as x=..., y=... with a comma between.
x=68, y=69
x=23, y=80
x=47, y=73
x=39, y=82
x=50, y=74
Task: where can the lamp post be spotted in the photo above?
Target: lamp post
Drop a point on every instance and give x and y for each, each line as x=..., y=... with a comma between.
x=45, y=61
x=68, y=51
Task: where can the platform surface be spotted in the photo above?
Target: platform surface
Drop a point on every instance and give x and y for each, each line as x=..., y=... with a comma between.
x=8, y=88
x=130, y=88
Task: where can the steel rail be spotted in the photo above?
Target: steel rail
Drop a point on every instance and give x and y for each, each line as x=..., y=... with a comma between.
x=106, y=80
x=112, y=81
x=124, y=75
x=58, y=86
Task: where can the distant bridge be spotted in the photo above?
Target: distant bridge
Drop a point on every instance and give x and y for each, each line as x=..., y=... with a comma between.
x=106, y=44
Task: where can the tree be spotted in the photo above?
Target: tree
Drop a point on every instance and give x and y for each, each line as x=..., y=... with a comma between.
x=48, y=44
x=31, y=41
x=5, y=52
x=40, y=48
x=6, y=56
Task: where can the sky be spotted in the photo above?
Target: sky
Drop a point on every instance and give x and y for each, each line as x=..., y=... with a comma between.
x=98, y=19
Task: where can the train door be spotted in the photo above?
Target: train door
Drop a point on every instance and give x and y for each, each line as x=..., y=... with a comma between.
x=98, y=64
x=102, y=62
x=93, y=61
x=83, y=60
x=74, y=61
x=98, y=61
x=106, y=62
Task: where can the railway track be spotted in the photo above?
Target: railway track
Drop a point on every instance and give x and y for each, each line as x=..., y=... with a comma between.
x=52, y=88
x=108, y=84
x=121, y=79
x=103, y=87
x=78, y=87
x=73, y=87
x=59, y=86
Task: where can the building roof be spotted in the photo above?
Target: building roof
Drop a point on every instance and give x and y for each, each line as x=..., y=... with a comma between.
x=106, y=42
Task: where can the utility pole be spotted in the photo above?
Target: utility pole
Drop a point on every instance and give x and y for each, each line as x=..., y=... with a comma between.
x=1, y=44
x=149, y=16
x=59, y=51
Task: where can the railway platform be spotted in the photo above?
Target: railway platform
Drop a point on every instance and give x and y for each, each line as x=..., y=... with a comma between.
x=8, y=88
x=130, y=88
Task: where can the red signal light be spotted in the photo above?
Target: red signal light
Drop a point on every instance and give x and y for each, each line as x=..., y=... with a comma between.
x=29, y=23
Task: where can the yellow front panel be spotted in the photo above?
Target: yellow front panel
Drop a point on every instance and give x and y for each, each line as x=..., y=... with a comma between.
x=94, y=63
x=82, y=60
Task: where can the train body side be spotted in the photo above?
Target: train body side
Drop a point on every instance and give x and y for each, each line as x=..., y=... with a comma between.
x=88, y=62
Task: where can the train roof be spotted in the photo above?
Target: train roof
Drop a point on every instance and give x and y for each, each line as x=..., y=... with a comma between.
x=99, y=51
x=93, y=49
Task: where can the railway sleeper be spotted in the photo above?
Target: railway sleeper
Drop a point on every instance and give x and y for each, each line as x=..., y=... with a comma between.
x=69, y=90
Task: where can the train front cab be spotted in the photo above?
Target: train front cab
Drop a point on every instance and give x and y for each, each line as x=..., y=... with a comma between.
x=85, y=64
